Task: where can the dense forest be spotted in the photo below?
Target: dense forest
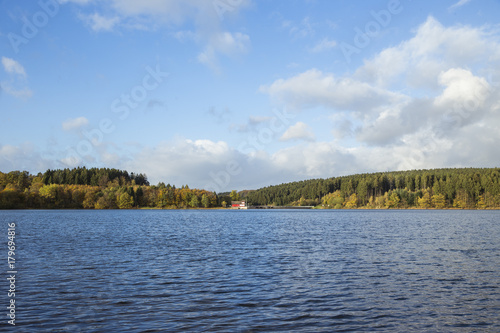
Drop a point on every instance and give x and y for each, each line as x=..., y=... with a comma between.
x=105, y=188
x=470, y=188
x=96, y=188
x=92, y=177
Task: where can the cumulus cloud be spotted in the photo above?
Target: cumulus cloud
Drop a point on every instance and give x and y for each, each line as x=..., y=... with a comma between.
x=425, y=103
x=24, y=157
x=418, y=61
x=314, y=88
x=462, y=87
x=316, y=160
x=179, y=161
x=218, y=167
x=12, y=66
x=452, y=65
x=299, y=131
x=75, y=123
x=431, y=101
x=204, y=164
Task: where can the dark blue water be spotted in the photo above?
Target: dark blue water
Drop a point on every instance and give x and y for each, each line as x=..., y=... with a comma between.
x=255, y=271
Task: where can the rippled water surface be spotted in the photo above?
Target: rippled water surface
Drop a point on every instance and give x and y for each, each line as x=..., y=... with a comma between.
x=256, y=271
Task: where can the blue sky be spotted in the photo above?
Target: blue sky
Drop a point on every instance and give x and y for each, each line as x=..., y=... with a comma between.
x=240, y=94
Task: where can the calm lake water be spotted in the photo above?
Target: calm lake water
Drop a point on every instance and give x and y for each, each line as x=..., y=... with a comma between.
x=255, y=271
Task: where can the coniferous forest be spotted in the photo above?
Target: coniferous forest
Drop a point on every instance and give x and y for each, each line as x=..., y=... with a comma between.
x=470, y=188
x=82, y=188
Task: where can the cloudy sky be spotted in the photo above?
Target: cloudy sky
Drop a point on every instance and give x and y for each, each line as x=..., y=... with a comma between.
x=240, y=94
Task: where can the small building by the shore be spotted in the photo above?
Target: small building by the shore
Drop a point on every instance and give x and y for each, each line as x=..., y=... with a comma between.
x=239, y=205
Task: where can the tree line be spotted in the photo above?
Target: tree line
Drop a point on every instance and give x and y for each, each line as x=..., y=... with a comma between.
x=103, y=188
x=466, y=188
x=97, y=189
x=92, y=177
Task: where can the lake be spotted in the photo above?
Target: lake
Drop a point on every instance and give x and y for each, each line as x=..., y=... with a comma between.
x=255, y=271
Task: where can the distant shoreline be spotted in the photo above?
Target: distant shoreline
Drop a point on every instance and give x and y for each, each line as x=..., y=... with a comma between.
x=82, y=188
x=251, y=209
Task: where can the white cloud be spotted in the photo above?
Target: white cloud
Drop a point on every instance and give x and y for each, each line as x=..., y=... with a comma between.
x=460, y=3
x=302, y=29
x=324, y=45
x=437, y=60
x=299, y=131
x=434, y=48
x=185, y=162
x=448, y=116
x=231, y=43
x=462, y=88
x=16, y=84
x=24, y=157
x=206, y=16
x=13, y=67
x=383, y=130
x=227, y=43
x=98, y=22
x=169, y=11
x=451, y=120
x=76, y=123
x=314, y=88
x=317, y=160
x=17, y=93
x=216, y=166
x=185, y=35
